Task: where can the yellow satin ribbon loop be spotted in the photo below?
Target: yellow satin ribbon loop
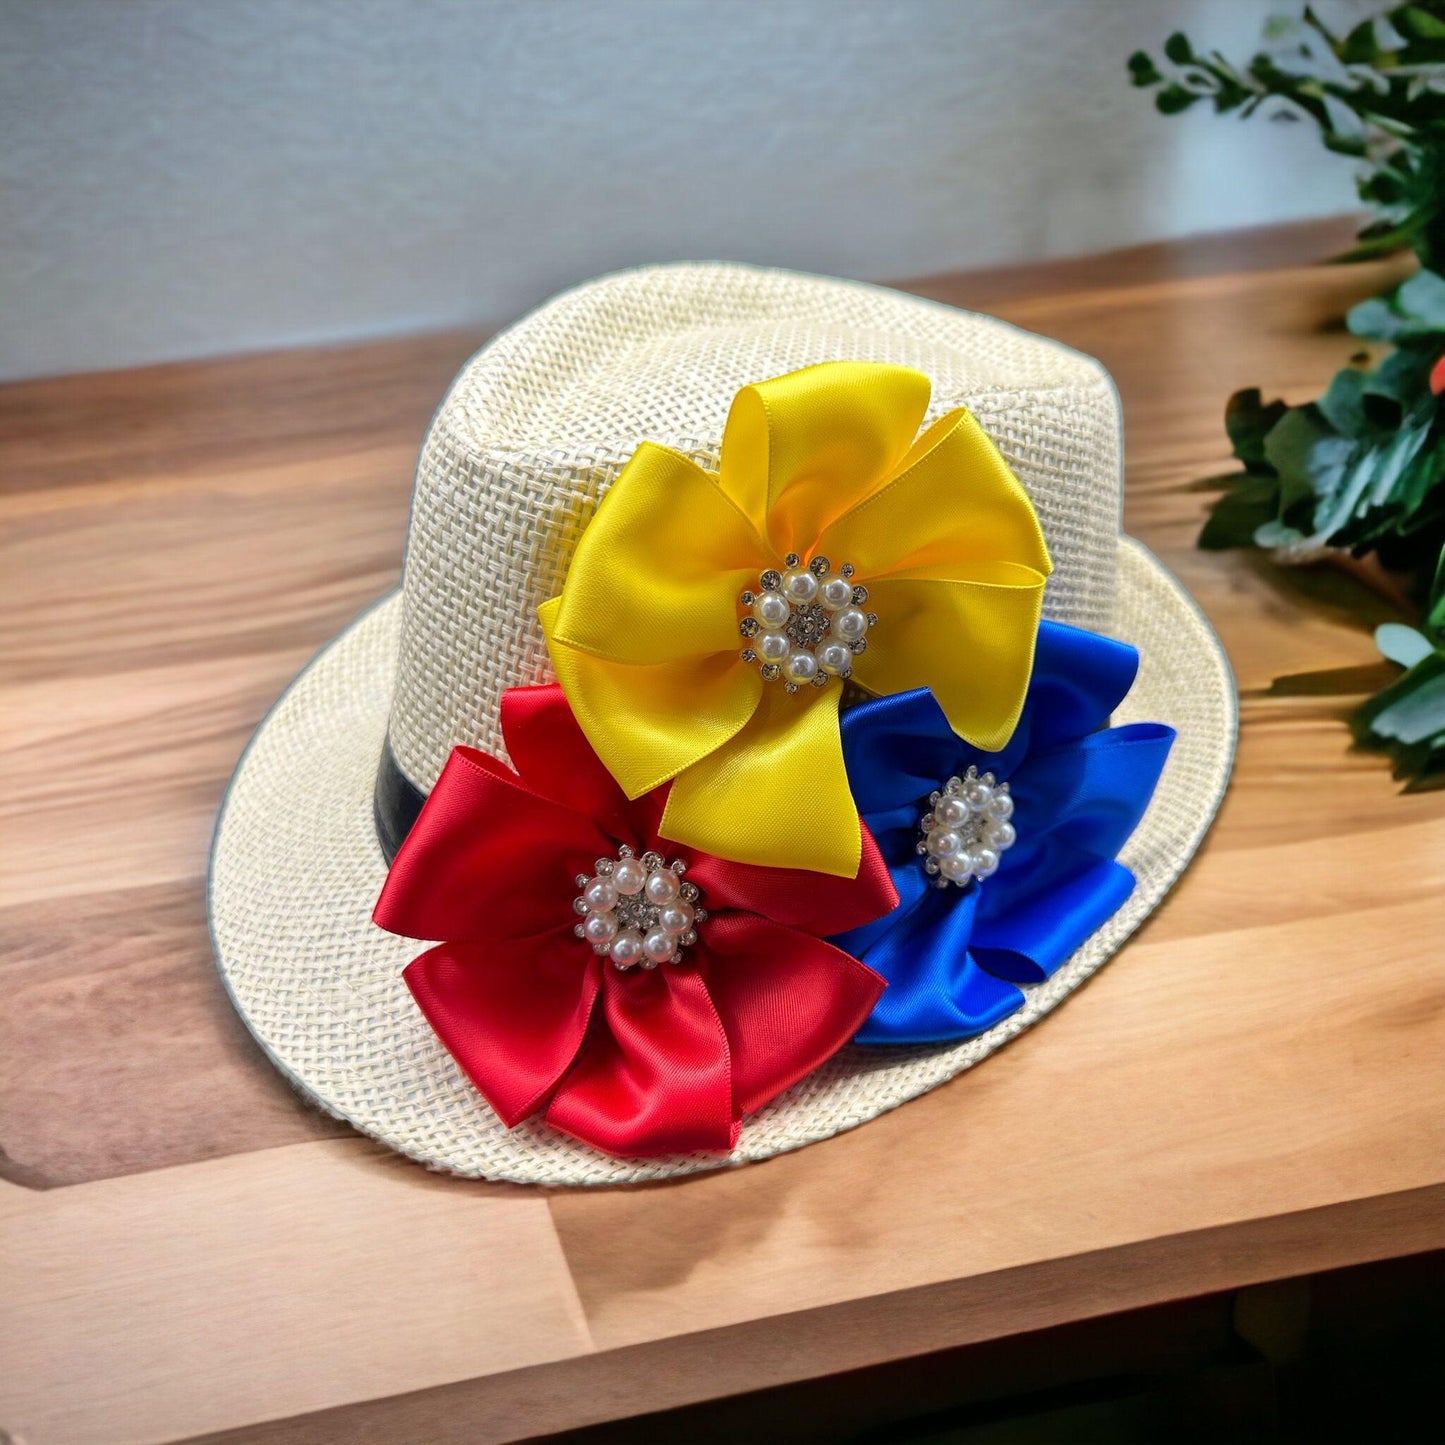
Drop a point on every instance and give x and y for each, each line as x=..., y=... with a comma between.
x=954, y=499
x=648, y=722
x=779, y=790
x=987, y=620
x=657, y=573
x=801, y=449
x=644, y=636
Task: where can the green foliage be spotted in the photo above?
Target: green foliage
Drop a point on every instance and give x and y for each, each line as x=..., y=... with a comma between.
x=1407, y=719
x=1363, y=467
x=1376, y=93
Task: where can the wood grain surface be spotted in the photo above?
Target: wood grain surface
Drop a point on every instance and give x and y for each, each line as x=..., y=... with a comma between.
x=1251, y=1089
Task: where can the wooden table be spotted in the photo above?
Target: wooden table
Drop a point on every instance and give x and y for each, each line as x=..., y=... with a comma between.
x=1251, y=1090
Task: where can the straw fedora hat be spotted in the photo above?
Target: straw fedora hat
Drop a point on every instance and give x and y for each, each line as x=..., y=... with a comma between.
x=532, y=433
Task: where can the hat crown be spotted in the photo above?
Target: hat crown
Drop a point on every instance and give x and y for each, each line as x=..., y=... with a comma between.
x=541, y=421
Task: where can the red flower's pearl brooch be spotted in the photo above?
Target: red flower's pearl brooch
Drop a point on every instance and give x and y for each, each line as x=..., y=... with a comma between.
x=805, y=625
x=638, y=910
x=968, y=829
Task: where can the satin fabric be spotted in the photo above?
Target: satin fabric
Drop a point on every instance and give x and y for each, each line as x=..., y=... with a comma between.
x=635, y=1063
x=954, y=957
x=827, y=461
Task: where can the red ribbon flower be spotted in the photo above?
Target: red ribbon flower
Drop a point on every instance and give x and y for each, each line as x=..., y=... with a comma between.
x=636, y=1061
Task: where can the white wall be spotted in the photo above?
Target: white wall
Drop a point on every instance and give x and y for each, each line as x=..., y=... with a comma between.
x=182, y=178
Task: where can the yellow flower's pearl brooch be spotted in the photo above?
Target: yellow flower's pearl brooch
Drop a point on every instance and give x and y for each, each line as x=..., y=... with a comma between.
x=967, y=830
x=807, y=624
x=638, y=910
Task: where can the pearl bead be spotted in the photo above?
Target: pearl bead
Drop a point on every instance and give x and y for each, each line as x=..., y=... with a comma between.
x=662, y=886
x=659, y=945
x=958, y=868
x=836, y=592
x=773, y=646
x=600, y=927
x=799, y=586
x=675, y=917
x=1001, y=836
x=835, y=658
x=600, y=894
x=801, y=665
x=627, y=947
x=771, y=609
x=944, y=842
x=1000, y=806
x=951, y=811
x=977, y=795
x=629, y=876
x=850, y=624
x=985, y=862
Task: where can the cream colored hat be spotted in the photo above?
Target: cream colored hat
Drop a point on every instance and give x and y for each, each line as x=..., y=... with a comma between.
x=534, y=430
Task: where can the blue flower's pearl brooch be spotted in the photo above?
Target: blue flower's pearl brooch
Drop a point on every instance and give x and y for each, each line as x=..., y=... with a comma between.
x=805, y=625
x=967, y=830
x=638, y=910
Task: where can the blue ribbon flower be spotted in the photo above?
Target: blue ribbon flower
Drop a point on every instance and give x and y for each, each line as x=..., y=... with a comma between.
x=953, y=957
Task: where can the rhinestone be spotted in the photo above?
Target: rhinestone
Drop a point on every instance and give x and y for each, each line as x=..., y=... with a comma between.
x=603, y=865
x=748, y=655
x=771, y=672
x=749, y=626
x=748, y=597
x=846, y=569
x=792, y=559
x=820, y=679
x=652, y=861
x=820, y=566
x=790, y=686
x=860, y=596
x=771, y=580
x=579, y=905
x=583, y=879
x=689, y=892
x=860, y=646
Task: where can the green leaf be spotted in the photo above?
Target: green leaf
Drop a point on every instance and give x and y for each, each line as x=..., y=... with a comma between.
x=1173, y=99
x=1142, y=71
x=1415, y=312
x=1343, y=403
x=1423, y=297
x=1359, y=47
x=1248, y=421
x=1402, y=644
x=1415, y=710
x=1239, y=513
x=1418, y=23
x=1178, y=49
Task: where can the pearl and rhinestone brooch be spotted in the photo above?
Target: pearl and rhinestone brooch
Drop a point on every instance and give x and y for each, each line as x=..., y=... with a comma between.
x=805, y=625
x=638, y=910
x=967, y=830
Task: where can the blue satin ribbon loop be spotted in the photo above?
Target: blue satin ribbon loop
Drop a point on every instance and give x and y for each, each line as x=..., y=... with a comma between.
x=954, y=957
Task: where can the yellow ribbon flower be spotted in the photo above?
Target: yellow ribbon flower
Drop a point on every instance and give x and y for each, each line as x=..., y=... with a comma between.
x=823, y=467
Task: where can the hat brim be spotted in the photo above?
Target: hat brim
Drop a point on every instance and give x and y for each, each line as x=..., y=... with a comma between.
x=296, y=869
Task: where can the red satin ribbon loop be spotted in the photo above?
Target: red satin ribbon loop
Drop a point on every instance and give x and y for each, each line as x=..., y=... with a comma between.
x=639, y=1062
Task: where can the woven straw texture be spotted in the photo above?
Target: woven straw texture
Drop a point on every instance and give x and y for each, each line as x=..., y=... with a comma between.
x=530, y=436
x=541, y=421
